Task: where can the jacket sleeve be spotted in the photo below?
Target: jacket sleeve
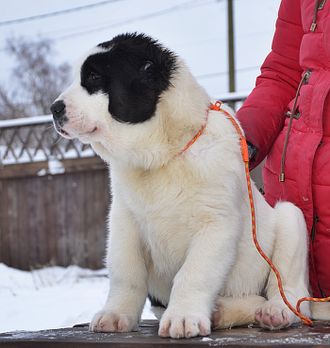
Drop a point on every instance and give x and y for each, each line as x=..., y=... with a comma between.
x=262, y=114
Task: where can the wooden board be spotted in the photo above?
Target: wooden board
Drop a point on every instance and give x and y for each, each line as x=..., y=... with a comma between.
x=55, y=219
x=298, y=336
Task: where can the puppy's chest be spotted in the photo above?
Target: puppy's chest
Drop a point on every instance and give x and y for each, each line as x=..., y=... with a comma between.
x=164, y=208
x=161, y=195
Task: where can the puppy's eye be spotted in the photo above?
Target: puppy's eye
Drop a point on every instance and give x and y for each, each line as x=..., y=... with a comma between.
x=147, y=65
x=93, y=76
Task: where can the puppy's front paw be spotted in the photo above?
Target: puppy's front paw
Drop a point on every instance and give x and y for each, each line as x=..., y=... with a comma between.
x=179, y=326
x=274, y=316
x=107, y=321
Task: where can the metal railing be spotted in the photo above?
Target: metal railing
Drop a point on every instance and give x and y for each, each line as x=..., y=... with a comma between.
x=33, y=139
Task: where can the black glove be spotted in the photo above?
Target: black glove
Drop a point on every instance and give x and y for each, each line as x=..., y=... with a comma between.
x=252, y=151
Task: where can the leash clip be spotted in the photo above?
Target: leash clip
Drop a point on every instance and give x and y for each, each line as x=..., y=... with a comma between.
x=216, y=106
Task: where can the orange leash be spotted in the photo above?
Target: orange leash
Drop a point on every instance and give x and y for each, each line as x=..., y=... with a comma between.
x=245, y=156
x=197, y=135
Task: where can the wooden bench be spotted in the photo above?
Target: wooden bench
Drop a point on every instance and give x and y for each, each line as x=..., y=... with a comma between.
x=79, y=336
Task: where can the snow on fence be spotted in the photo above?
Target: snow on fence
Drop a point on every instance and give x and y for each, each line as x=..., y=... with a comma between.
x=34, y=139
x=54, y=196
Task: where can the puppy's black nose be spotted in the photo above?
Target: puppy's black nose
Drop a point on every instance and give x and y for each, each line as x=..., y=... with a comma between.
x=58, y=109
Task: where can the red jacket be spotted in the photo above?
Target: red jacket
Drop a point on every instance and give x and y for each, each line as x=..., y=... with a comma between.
x=301, y=44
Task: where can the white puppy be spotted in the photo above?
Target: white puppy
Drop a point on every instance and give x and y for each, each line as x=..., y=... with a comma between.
x=180, y=225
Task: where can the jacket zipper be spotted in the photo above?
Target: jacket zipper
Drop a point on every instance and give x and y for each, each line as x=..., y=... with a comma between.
x=321, y=5
x=304, y=80
x=307, y=75
x=318, y=6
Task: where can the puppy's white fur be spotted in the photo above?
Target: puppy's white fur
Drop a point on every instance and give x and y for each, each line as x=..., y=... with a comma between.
x=180, y=225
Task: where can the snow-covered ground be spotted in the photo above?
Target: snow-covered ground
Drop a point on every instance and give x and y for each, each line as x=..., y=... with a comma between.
x=51, y=297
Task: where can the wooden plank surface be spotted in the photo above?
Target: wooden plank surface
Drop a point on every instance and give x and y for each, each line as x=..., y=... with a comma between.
x=146, y=336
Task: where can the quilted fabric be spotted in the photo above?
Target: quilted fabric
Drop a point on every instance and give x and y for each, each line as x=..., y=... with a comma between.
x=297, y=49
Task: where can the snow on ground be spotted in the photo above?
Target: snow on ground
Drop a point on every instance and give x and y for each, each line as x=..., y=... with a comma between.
x=51, y=297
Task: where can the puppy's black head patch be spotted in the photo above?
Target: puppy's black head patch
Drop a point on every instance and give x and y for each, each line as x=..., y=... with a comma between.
x=133, y=72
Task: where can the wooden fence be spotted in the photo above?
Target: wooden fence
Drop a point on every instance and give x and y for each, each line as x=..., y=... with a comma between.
x=54, y=197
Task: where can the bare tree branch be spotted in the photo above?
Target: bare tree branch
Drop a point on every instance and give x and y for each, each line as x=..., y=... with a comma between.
x=35, y=80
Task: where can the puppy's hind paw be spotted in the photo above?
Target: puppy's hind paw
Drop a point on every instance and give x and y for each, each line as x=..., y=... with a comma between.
x=274, y=316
